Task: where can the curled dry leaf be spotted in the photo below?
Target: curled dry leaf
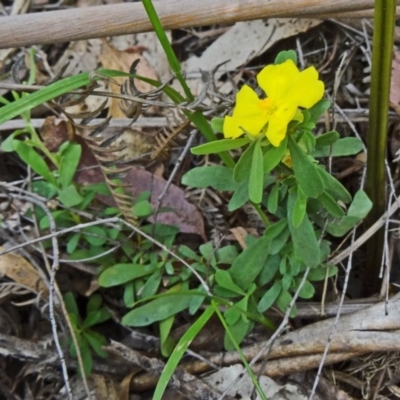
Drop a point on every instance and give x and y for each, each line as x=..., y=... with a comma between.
x=111, y=58
x=21, y=271
x=53, y=134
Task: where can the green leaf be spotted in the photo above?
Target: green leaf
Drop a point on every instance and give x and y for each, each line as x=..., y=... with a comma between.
x=318, y=109
x=343, y=147
x=94, y=303
x=187, y=252
x=87, y=359
x=331, y=205
x=283, y=302
x=305, y=171
x=96, y=342
x=274, y=155
x=226, y=254
x=70, y=304
x=32, y=158
x=142, y=208
x=73, y=242
x=233, y=314
x=305, y=243
x=286, y=281
x=69, y=196
x=358, y=210
x=256, y=182
x=224, y=279
x=299, y=208
x=179, y=351
x=307, y=291
x=100, y=235
x=333, y=187
x=242, y=168
x=217, y=146
x=156, y=310
x=273, y=198
x=152, y=284
x=286, y=55
x=96, y=317
x=239, y=197
x=319, y=273
x=269, y=297
x=121, y=273
x=308, y=140
x=360, y=206
x=166, y=342
x=208, y=252
x=217, y=125
x=272, y=231
x=269, y=270
x=280, y=241
x=327, y=139
x=239, y=332
x=69, y=163
x=249, y=263
x=216, y=176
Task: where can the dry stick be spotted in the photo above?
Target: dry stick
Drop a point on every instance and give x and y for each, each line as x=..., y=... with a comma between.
x=120, y=19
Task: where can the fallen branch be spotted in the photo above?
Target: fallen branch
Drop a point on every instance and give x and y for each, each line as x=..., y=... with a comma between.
x=119, y=19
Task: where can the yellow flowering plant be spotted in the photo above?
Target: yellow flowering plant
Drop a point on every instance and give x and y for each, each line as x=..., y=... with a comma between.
x=281, y=171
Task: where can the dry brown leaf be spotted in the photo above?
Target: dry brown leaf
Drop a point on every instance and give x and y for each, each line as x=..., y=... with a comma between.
x=104, y=388
x=185, y=215
x=21, y=271
x=52, y=134
x=124, y=386
x=111, y=58
x=240, y=233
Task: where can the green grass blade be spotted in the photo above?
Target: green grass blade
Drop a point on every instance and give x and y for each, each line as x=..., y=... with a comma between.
x=197, y=118
x=50, y=92
x=179, y=351
x=382, y=48
x=166, y=45
x=239, y=350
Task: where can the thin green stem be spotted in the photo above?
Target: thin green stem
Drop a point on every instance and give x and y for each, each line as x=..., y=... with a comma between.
x=384, y=21
x=261, y=214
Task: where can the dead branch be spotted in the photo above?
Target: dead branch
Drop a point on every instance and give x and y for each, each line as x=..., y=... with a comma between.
x=119, y=19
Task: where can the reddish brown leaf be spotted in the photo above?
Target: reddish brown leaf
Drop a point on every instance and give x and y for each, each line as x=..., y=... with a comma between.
x=395, y=82
x=185, y=215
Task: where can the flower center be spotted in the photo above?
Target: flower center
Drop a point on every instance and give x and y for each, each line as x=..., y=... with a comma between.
x=267, y=107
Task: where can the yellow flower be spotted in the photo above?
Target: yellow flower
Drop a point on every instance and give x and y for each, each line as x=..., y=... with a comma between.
x=287, y=89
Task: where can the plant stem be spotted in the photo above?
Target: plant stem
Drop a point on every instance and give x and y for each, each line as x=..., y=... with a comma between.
x=384, y=21
x=261, y=214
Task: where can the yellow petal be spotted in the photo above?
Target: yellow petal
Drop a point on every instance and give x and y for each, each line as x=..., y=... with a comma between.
x=231, y=129
x=247, y=115
x=277, y=125
x=307, y=89
x=277, y=80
